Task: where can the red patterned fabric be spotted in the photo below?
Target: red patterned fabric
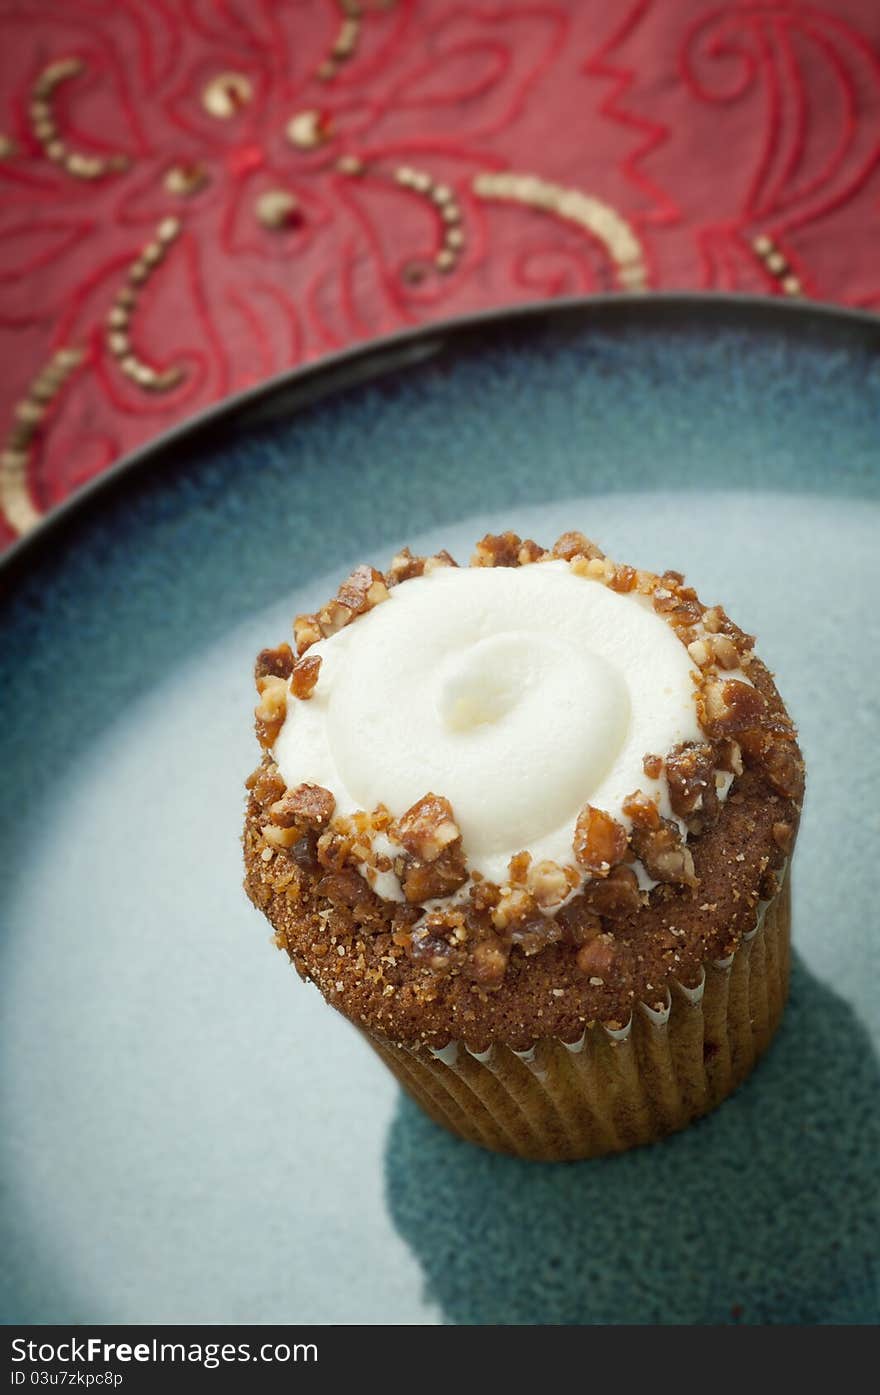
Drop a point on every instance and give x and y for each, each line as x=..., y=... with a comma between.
x=702, y=126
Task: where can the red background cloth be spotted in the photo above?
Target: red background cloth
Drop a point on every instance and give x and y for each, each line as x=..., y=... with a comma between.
x=700, y=127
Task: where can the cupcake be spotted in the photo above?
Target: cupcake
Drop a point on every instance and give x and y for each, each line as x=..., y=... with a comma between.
x=527, y=824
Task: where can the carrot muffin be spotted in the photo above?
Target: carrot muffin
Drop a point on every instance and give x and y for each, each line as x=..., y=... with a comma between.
x=527, y=824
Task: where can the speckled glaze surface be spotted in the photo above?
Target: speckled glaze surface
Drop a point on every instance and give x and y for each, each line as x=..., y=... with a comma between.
x=165, y=1073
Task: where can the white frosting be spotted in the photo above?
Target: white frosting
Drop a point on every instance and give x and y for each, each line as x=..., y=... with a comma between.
x=521, y=694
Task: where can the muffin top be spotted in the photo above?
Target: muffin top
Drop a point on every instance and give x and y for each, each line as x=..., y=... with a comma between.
x=504, y=801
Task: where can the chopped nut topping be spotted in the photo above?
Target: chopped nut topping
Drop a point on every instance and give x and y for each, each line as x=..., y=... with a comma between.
x=345, y=888
x=728, y=756
x=333, y=617
x=306, y=631
x=363, y=590
x=530, y=552
x=431, y=947
x=652, y=766
x=642, y=810
x=724, y=651
x=424, y=881
x=308, y=806
x=690, y=773
x=518, y=867
x=497, y=550
x=515, y=904
x=427, y=828
x=623, y=579
x=548, y=883
x=440, y=559
x=277, y=663
x=305, y=676
x=599, y=841
x=784, y=769
x=534, y=932
x=265, y=784
x=271, y=709
x=665, y=856
x=575, y=544
x=713, y=619
x=280, y=837
x=488, y=962
x=616, y=896
x=404, y=567
x=434, y=864
x=728, y=707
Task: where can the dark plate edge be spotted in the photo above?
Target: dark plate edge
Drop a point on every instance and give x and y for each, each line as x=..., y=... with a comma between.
x=312, y=382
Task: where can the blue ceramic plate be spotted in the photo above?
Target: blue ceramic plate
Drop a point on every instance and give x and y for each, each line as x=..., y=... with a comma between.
x=189, y=1133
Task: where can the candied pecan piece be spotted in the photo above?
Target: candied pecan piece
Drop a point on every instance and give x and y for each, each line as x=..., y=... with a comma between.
x=277, y=663
x=308, y=805
x=575, y=544
x=497, y=550
x=514, y=903
x=404, y=566
x=548, y=883
x=484, y=896
x=714, y=619
x=426, y=828
x=723, y=651
x=363, y=590
x=271, y=709
x=438, y=560
x=279, y=838
x=530, y=551
x=333, y=617
x=334, y=846
x=306, y=631
x=305, y=853
x=641, y=810
x=518, y=867
x=346, y=888
x=690, y=774
x=600, y=842
x=265, y=784
x=729, y=706
x=431, y=947
x=616, y=896
x=784, y=769
x=728, y=756
x=595, y=959
x=578, y=921
x=623, y=580
x=423, y=881
x=652, y=766
x=305, y=676
x=665, y=856
x=487, y=963
x=534, y=933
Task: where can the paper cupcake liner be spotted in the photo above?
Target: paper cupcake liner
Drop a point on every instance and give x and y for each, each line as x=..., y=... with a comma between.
x=613, y=1090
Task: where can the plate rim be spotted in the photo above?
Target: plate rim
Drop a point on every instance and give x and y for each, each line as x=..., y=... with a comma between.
x=339, y=371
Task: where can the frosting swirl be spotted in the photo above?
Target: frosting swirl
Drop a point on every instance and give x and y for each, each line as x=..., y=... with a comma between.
x=520, y=694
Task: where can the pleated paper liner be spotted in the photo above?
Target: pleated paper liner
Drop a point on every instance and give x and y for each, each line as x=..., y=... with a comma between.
x=613, y=1090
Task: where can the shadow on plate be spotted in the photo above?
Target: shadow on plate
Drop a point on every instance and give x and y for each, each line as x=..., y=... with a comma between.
x=766, y=1211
